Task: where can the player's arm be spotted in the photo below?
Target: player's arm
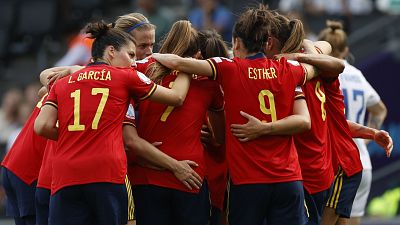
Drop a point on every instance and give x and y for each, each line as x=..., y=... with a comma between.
x=293, y=124
x=187, y=65
x=174, y=96
x=142, y=148
x=376, y=115
x=51, y=74
x=381, y=137
x=316, y=63
x=45, y=123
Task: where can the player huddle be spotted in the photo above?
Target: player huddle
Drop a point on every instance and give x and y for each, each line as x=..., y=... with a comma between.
x=262, y=135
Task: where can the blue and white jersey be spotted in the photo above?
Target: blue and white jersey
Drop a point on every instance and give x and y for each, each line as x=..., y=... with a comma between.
x=358, y=96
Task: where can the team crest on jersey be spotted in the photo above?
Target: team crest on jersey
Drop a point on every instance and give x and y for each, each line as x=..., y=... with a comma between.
x=220, y=59
x=143, y=78
x=131, y=112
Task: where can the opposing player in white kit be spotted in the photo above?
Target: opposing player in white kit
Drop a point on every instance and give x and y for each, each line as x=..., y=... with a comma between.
x=360, y=97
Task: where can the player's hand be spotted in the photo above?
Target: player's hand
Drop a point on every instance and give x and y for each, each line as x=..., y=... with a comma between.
x=53, y=76
x=383, y=139
x=185, y=174
x=249, y=131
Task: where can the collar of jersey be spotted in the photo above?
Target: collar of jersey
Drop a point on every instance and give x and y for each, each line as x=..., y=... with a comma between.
x=96, y=63
x=258, y=55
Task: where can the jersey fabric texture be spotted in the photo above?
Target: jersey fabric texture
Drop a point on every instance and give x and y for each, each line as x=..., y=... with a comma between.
x=259, y=86
x=92, y=103
x=46, y=170
x=312, y=146
x=344, y=151
x=178, y=128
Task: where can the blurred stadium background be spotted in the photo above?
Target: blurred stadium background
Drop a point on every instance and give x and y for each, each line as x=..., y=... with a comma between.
x=36, y=34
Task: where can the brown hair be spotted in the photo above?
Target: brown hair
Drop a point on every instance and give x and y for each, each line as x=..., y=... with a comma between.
x=290, y=33
x=335, y=35
x=134, y=21
x=212, y=45
x=104, y=36
x=253, y=27
x=181, y=40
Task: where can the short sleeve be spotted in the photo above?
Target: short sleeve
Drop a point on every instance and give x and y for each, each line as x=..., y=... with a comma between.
x=220, y=65
x=140, y=85
x=299, y=94
x=130, y=117
x=298, y=72
x=52, y=97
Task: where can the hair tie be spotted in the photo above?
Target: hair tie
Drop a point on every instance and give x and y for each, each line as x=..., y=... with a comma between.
x=136, y=26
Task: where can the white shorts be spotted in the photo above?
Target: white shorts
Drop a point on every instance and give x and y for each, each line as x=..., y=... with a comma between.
x=362, y=194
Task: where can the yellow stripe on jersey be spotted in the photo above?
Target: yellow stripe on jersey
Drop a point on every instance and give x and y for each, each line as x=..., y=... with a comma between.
x=299, y=96
x=152, y=90
x=305, y=74
x=52, y=104
x=131, y=205
x=305, y=206
x=334, y=198
x=214, y=70
x=128, y=123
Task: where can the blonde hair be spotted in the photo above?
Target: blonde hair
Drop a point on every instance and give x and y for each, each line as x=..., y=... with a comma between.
x=181, y=40
x=129, y=21
x=335, y=35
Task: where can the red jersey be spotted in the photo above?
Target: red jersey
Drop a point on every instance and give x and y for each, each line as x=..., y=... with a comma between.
x=216, y=174
x=263, y=88
x=313, y=146
x=344, y=151
x=92, y=103
x=178, y=128
x=142, y=65
x=25, y=155
x=46, y=170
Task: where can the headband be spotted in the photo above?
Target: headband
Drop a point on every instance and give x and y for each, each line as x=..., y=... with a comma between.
x=136, y=26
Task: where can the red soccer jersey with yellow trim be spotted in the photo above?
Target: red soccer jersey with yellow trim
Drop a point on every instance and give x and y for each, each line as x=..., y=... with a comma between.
x=178, y=128
x=25, y=156
x=344, y=151
x=46, y=170
x=92, y=103
x=313, y=146
x=142, y=65
x=263, y=88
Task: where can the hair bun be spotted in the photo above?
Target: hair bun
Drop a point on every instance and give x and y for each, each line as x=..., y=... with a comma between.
x=97, y=29
x=334, y=25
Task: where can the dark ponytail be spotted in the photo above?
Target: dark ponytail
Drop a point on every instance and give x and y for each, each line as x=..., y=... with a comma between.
x=105, y=35
x=253, y=27
x=212, y=44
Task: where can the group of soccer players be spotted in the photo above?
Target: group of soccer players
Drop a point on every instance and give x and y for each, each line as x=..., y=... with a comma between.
x=264, y=137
